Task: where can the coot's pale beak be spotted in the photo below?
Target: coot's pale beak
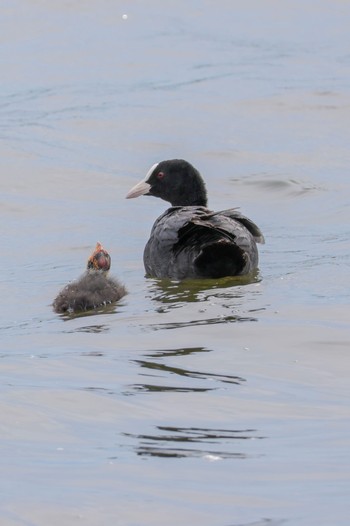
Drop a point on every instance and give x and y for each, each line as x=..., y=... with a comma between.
x=141, y=188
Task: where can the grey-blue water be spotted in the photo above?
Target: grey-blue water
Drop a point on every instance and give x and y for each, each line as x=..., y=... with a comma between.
x=214, y=403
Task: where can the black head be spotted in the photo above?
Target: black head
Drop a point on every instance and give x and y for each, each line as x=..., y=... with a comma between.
x=175, y=181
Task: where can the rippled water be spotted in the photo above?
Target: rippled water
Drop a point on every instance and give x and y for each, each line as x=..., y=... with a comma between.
x=217, y=402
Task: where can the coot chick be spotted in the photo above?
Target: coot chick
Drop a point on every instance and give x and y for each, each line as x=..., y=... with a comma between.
x=189, y=240
x=93, y=289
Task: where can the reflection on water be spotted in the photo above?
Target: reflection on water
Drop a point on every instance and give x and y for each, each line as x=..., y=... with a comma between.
x=163, y=353
x=152, y=388
x=279, y=184
x=90, y=328
x=172, y=441
x=211, y=296
x=154, y=366
x=111, y=308
x=175, y=292
x=92, y=353
x=263, y=522
x=157, y=369
x=209, y=321
x=93, y=328
x=99, y=389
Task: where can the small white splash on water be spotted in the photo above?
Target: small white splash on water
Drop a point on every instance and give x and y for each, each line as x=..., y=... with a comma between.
x=124, y=17
x=212, y=458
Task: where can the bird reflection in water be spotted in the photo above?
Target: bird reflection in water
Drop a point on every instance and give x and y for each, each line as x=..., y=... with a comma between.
x=193, y=290
x=164, y=376
x=222, y=300
x=89, y=329
x=179, y=441
x=186, y=442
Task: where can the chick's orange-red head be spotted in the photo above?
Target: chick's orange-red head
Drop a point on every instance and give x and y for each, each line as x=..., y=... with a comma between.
x=99, y=259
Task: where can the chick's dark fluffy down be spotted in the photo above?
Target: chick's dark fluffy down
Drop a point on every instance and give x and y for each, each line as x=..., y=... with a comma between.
x=92, y=290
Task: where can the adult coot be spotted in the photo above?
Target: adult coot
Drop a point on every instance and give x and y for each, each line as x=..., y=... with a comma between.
x=189, y=240
x=93, y=289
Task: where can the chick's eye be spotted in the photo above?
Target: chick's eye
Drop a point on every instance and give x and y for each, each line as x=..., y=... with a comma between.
x=160, y=175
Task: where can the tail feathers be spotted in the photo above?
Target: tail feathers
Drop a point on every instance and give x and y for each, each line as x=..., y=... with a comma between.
x=234, y=214
x=219, y=259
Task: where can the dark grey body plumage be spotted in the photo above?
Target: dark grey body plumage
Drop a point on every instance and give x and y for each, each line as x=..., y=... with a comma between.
x=194, y=242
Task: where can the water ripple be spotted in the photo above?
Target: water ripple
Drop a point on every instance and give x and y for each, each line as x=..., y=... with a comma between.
x=208, y=321
x=176, y=442
x=279, y=184
x=263, y=522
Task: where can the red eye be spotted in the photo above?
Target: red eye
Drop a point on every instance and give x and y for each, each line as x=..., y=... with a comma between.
x=160, y=175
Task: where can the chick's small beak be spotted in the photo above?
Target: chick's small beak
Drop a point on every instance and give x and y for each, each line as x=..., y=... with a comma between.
x=141, y=188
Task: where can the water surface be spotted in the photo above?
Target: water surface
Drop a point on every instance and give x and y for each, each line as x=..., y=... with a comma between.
x=216, y=402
